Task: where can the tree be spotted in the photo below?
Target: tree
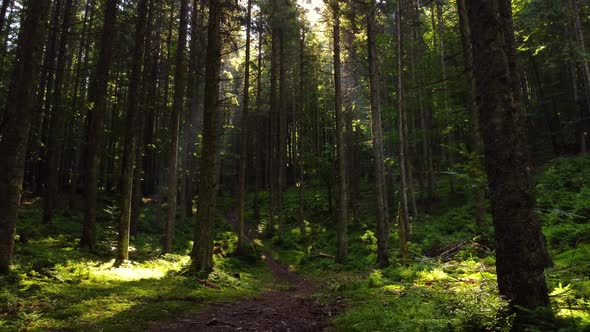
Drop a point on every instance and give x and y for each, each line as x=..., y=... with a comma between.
x=480, y=204
x=95, y=130
x=3, y=10
x=377, y=142
x=177, y=108
x=19, y=111
x=244, y=134
x=202, y=253
x=520, y=251
x=404, y=216
x=130, y=140
x=342, y=221
x=58, y=119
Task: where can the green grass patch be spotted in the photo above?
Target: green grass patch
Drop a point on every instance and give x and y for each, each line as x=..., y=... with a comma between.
x=56, y=286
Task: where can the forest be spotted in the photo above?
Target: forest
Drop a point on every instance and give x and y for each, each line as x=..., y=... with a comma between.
x=294, y=165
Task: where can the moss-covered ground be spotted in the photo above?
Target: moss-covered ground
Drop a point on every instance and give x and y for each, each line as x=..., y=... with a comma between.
x=448, y=284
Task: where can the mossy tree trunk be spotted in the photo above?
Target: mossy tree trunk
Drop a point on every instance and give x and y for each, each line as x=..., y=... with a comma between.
x=202, y=253
x=95, y=131
x=520, y=251
x=19, y=111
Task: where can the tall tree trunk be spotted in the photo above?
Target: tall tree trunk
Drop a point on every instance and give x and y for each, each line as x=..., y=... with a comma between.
x=480, y=204
x=520, y=251
x=202, y=253
x=19, y=111
x=403, y=211
x=301, y=120
x=377, y=140
x=445, y=93
x=3, y=10
x=37, y=147
x=342, y=221
x=179, y=91
x=282, y=143
x=261, y=136
x=79, y=94
x=130, y=139
x=148, y=81
x=95, y=131
x=194, y=119
x=274, y=118
x=58, y=119
x=244, y=135
x=579, y=32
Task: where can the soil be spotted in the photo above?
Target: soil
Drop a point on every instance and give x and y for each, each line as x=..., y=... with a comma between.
x=292, y=309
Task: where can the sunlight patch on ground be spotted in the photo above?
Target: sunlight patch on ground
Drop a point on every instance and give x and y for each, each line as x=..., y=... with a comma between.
x=129, y=271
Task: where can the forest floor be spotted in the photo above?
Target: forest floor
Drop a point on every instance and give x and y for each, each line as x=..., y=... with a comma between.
x=289, y=306
x=449, y=283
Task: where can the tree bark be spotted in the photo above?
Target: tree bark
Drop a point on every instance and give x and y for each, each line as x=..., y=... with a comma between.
x=96, y=116
x=244, y=135
x=19, y=111
x=202, y=253
x=480, y=203
x=342, y=221
x=194, y=118
x=377, y=141
x=274, y=119
x=3, y=10
x=57, y=124
x=520, y=251
x=579, y=32
x=177, y=108
x=404, y=215
x=130, y=139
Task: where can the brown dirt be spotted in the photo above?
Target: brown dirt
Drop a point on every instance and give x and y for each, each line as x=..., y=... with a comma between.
x=292, y=309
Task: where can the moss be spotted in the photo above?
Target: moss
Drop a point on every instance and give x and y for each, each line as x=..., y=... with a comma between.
x=55, y=286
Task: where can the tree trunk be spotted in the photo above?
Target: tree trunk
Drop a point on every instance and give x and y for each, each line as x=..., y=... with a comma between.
x=443, y=64
x=274, y=119
x=57, y=124
x=202, y=253
x=520, y=251
x=377, y=141
x=261, y=135
x=244, y=135
x=301, y=179
x=179, y=91
x=18, y=123
x=37, y=148
x=80, y=89
x=579, y=32
x=96, y=116
x=3, y=10
x=404, y=217
x=130, y=139
x=282, y=143
x=342, y=221
x=480, y=203
x=194, y=118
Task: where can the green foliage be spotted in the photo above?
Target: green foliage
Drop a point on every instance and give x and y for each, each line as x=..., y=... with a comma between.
x=563, y=199
x=422, y=297
x=55, y=286
x=458, y=293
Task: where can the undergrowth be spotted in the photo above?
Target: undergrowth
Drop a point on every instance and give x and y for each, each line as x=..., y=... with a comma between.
x=449, y=284
x=56, y=286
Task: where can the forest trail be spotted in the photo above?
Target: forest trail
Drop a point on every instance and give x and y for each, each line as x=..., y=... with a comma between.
x=289, y=308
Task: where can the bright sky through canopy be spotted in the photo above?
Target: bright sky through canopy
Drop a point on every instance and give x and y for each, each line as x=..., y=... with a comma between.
x=313, y=8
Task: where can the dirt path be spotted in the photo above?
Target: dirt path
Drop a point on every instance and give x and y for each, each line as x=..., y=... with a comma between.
x=292, y=309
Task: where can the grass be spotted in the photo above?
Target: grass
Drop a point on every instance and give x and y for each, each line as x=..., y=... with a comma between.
x=458, y=292
x=55, y=286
